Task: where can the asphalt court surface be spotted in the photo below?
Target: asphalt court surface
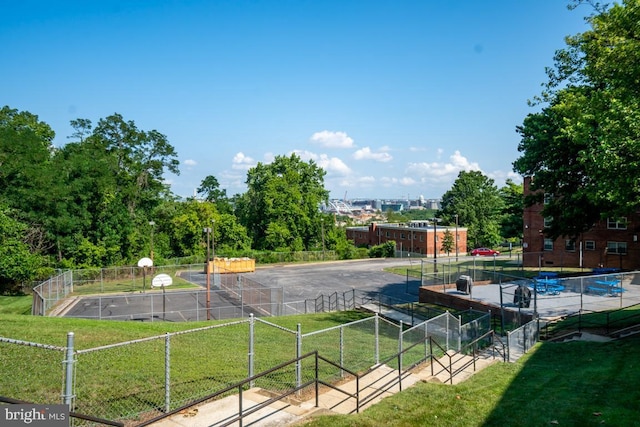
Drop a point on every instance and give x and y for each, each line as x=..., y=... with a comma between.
x=298, y=282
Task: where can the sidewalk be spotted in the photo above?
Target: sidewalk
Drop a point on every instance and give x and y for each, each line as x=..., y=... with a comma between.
x=392, y=314
x=284, y=413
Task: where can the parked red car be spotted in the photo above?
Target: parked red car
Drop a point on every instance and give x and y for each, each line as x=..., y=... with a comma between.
x=484, y=252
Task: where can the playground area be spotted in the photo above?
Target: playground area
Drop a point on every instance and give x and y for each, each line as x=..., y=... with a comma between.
x=551, y=296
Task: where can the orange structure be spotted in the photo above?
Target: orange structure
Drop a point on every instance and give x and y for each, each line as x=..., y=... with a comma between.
x=231, y=265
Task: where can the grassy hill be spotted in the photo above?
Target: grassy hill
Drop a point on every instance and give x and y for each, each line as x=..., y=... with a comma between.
x=568, y=384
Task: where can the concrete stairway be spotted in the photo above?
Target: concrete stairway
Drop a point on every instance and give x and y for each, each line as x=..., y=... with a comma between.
x=378, y=384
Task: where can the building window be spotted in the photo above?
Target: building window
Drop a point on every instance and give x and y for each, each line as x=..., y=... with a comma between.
x=617, y=223
x=548, y=244
x=570, y=245
x=590, y=245
x=388, y=234
x=617, y=248
x=547, y=222
x=547, y=198
x=402, y=236
x=421, y=238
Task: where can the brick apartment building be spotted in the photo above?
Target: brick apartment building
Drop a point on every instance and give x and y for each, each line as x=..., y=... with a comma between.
x=611, y=243
x=414, y=237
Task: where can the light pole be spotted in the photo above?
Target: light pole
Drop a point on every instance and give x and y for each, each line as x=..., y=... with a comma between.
x=152, y=224
x=435, y=244
x=213, y=246
x=456, y=215
x=206, y=270
x=322, y=224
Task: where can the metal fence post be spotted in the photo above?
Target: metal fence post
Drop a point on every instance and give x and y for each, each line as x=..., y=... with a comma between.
x=167, y=372
x=67, y=397
x=377, y=333
x=298, y=354
x=400, y=347
x=459, y=332
x=341, y=350
x=251, y=344
x=426, y=335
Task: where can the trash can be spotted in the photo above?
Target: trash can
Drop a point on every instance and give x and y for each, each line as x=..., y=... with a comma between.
x=464, y=284
x=522, y=297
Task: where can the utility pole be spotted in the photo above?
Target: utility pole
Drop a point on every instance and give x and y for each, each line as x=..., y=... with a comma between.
x=435, y=244
x=152, y=224
x=456, y=215
x=206, y=270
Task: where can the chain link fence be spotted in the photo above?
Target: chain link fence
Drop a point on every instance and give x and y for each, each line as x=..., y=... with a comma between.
x=48, y=293
x=520, y=340
x=41, y=373
x=140, y=379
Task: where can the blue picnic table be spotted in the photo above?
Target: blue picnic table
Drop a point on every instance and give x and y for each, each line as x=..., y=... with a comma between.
x=606, y=287
x=547, y=286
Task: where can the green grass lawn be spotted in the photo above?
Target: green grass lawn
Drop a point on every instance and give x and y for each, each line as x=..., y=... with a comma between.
x=125, y=286
x=502, y=265
x=565, y=384
x=570, y=384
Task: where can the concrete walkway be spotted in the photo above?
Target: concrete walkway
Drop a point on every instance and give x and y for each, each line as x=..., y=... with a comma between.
x=380, y=383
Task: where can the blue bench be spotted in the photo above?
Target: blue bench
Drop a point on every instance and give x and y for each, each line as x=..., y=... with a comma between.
x=605, y=287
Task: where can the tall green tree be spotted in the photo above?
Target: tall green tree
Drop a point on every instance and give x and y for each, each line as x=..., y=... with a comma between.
x=475, y=200
x=142, y=159
x=448, y=242
x=25, y=155
x=281, y=206
x=104, y=188
x=211, y=191
x=19, y=263
x=583, y=148
x=511, y=224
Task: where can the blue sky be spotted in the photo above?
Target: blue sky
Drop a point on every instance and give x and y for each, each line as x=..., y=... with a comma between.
x=392, y=98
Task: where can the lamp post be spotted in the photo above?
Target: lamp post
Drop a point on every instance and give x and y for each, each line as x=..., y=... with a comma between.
x=213, y=246
x=152, y=224
x=435, y=244
x=322, y=224
x=456, y=215
x=206, y=270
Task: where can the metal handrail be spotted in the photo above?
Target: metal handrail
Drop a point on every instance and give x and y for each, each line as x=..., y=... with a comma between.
x=71, y=413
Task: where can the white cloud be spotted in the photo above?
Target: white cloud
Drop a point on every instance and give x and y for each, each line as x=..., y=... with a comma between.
x=329, y=139
x=392, y=182
x=366, y=154
x=438, y=170
x=190, y=162
x=366, y=180
x=333, y=165
x=240, y=161
x=500, y=177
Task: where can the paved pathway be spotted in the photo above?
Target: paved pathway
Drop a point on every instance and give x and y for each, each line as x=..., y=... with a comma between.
x=286, y=413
